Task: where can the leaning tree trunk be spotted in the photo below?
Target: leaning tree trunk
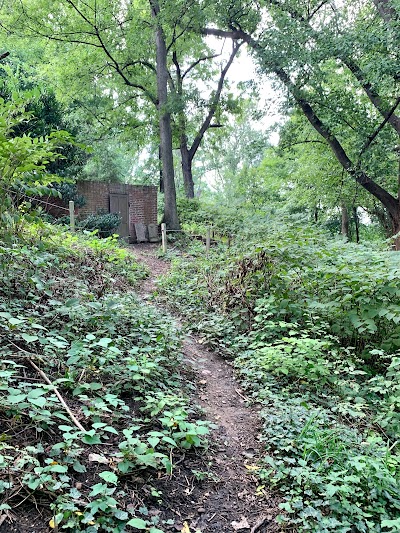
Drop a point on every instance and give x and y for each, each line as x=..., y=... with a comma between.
x=187, y=169
x=167, y=161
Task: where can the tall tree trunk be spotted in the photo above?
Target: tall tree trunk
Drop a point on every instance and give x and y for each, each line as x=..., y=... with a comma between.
x=345, y=222
x=160, y=169
x=188, y=153
x=356, y=224
x=187, y=169
x=167, y=161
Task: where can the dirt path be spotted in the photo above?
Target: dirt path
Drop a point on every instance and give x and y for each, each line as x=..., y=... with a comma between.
x=221, y=495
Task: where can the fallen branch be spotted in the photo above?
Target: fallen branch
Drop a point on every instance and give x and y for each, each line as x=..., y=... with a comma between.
x=242, y=396
x=57, y=393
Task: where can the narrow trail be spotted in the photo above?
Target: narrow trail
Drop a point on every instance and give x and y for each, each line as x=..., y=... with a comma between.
x=221, y=497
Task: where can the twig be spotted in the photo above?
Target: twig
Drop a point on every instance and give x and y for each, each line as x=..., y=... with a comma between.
x=242, y=396
x=62, y=401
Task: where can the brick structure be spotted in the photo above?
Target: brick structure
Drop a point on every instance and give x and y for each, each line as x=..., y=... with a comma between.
x=141, y=199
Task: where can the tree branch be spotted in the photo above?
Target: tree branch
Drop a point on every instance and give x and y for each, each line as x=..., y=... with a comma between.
x=72, y=4
x=369, y=90
x=214, y=103
x=57, y=393
x=389, y=201
x=141, y=63
x=194, y=65
x=306, y=141
x=315, y=11
x=386, y=11
x=117, y=68
x=372, y=137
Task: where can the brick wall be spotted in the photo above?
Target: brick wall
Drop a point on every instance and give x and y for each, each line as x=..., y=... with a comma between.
x=142, y=200
x=52, y=205
x=96, y=195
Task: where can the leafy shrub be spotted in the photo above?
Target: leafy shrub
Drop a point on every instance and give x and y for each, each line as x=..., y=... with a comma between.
x=313, y=327
x=69, y=192
x=106, y=224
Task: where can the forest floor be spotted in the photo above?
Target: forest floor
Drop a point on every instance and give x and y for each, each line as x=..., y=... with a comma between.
x=216, y=491
x=212, y=490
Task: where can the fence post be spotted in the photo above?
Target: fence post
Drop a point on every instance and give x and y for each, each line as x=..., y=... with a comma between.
x=208, y=240
x=72, y=215
x=164, y=237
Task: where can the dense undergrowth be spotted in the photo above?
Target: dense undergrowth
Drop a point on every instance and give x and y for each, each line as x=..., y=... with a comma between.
x=313, y=327
x=71, y=326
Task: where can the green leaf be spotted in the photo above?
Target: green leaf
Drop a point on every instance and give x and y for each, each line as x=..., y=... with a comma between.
x=15, y=321
x=78, y=467
x=16, y=398
x=39, y=402
x=138, y=523
x=153, y=441
x=99, y=488
x=104, y=342
x=29, y=338
x=35, y=393
x=91, y=438
x=110, y=429
x=391, y=523
x=109, y=477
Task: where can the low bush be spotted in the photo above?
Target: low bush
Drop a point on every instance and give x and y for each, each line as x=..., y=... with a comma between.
x=106, y=224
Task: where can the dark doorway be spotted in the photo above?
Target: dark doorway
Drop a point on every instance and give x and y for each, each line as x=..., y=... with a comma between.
x=119, y=203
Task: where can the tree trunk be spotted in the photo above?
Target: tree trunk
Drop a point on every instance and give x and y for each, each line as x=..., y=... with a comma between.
x=396, y=231
x=187, y=169
x=345, y=222
x=356, y=224
x=167, y=161
x=160, y=169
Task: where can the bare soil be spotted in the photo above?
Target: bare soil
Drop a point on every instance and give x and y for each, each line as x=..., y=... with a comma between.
x=227, y=499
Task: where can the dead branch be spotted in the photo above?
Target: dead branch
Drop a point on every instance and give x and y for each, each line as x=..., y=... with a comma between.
x=57, y=393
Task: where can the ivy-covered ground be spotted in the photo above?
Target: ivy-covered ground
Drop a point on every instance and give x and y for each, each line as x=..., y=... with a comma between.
x=106, y=410
x=312, y=326
x=93, y=396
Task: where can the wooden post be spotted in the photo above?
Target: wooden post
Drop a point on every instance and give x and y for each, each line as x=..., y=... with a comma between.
x=208, y=240
x=72, y=215
x=164, y=237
